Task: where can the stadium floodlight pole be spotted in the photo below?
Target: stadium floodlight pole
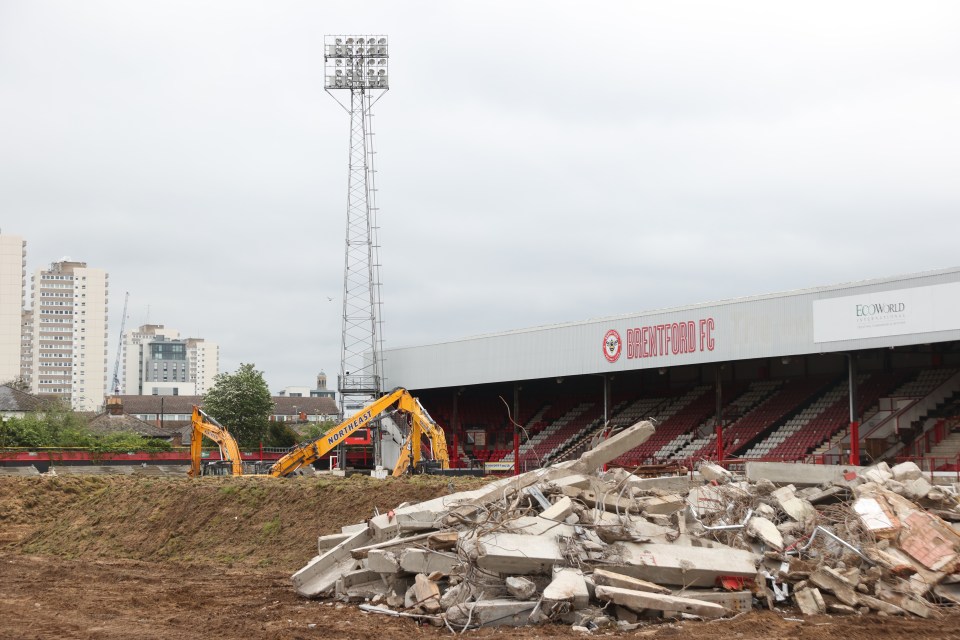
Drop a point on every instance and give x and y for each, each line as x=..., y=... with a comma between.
x=357, y=66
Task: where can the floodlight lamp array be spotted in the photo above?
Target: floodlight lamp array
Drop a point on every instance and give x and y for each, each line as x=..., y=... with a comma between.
x=356, y=62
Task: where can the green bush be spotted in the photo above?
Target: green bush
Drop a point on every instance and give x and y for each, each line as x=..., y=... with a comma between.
x=58, y=427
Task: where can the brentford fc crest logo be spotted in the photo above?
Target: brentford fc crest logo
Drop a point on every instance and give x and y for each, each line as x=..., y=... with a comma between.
x=612, y=346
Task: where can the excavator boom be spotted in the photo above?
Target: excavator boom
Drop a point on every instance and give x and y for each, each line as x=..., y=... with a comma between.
x=410, y=451
x=399, y=399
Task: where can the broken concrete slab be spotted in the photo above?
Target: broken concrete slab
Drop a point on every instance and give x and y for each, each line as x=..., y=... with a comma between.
x=382, y=561
x=398, y=521
x=426, y=593
x=606, y=500
x=521, y=588
x=661, y=505
x=841, y=610
x=714, y=473
x=827, y=495
x=876, y=515
x=906, y=471
x=641, y=600
x=613, y=579
x=577, y=480
x=353, y=528
x=917, y=489
x=949, y=592
x=765, y=531
x=443, y=540
x=682, y=566
x=325, y=543
x=320, y=575
x=516, y=554
x=539, y=526
x=797, y=508
x=732, y=601
x=487, y=613
x=810, y=601
x=800, y=475
x=396, y=544
x=359, y=585
x=671, y=484
x=613, y=447
x=875, y=475
x=831, y=580
x=568, y=585
x=908, y=603
x=634, y=527
x=559, y=510
x=879, y=605
x=427, y=561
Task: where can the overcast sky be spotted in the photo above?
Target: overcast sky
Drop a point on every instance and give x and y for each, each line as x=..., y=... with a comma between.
x=538, y=162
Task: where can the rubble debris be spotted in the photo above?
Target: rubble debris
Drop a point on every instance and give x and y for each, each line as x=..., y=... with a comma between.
x=609, y=549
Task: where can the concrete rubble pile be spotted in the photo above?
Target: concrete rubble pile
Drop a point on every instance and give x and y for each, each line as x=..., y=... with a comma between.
x=608, y=549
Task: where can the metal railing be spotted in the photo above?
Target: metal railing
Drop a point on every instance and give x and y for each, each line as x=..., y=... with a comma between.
x=930, y=465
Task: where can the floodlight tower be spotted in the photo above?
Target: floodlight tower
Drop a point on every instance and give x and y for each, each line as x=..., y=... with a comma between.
x=357, y=65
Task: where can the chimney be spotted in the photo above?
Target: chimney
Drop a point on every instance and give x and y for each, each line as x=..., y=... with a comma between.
x=115, y=406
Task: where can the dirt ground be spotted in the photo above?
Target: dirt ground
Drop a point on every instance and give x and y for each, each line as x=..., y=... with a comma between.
x=129, y=557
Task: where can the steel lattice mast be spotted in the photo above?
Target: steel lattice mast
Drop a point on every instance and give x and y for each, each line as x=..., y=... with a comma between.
x=358, y=65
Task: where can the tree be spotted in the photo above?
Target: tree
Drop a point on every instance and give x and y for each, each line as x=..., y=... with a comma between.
x=19, y=383
x=241, y=402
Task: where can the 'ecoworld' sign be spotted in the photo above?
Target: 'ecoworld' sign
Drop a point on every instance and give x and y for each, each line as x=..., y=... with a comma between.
x=887, y=313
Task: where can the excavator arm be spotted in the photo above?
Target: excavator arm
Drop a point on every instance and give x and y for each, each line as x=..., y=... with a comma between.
x=422, y=425
x=310, y=452
x=205, y=425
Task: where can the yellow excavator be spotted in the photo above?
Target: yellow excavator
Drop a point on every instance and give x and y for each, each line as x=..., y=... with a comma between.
x=411, y=456
x=204, y=425
x=411, y=451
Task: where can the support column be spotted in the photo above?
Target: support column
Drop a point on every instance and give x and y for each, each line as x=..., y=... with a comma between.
x=455, y=427
x=854, y=417
x=719, y=431
x=719, y=414
x=606, y=400
x=516, y=429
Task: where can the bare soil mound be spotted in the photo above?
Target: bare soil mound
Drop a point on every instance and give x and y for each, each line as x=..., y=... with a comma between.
x=230, y=522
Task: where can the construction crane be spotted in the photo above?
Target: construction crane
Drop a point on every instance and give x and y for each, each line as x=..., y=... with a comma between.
x=116, y=366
